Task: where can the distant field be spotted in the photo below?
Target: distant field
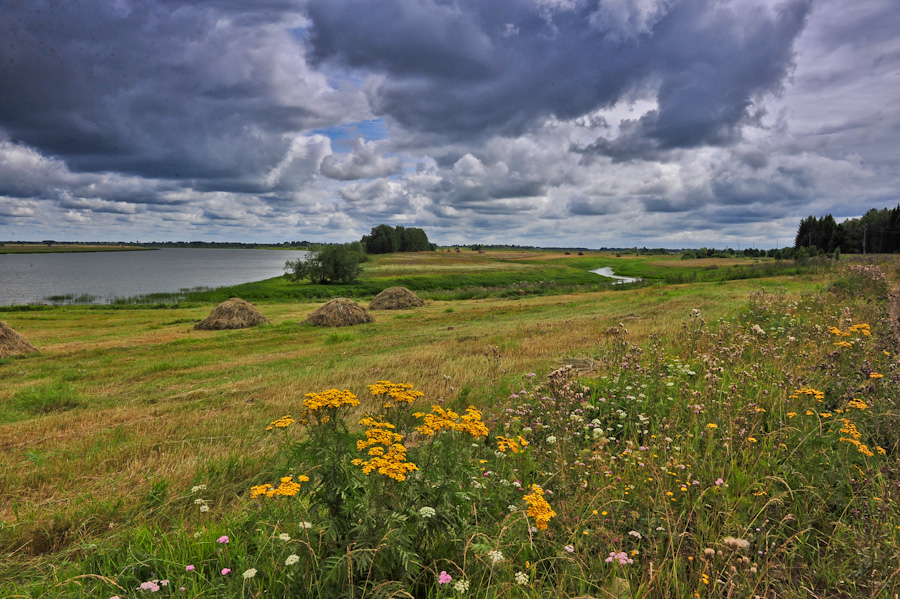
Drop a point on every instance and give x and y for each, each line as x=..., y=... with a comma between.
x=29, y=248
x=469, y=275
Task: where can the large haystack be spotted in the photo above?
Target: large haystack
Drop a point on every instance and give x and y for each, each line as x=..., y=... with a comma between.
x=339, y=312
x=12, y=343
x=232, y=314
x=396, y=298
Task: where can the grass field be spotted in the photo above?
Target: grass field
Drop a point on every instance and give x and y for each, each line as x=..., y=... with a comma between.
x=107, y=430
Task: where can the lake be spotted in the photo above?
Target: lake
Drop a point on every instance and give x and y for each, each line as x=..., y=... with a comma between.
x=100, y=277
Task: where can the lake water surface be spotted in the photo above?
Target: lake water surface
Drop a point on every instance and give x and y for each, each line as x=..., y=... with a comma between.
x=104, y=276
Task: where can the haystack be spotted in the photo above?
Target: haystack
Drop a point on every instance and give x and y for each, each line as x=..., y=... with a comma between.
x=339, y=312
x=12, y=343
x=396, y=298
x=232, y=314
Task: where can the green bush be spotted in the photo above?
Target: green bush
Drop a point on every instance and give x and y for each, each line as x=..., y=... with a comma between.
x=338, y=263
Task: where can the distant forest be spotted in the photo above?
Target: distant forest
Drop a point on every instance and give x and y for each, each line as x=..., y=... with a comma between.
x=877, y=232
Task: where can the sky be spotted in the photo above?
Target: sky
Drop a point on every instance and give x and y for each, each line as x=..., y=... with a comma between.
x=566, y=123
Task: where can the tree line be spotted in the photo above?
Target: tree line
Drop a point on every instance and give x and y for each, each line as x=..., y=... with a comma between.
x=385, y=239
x=876, y=232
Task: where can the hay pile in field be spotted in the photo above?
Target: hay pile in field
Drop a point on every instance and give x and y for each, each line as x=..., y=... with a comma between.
x=339, y=312
x=232, y=314
x=396, y=298
x=12, y=343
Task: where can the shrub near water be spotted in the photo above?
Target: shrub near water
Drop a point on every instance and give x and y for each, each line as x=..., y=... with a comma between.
x=756, y=457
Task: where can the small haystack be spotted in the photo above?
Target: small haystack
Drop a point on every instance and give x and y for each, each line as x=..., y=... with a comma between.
x=339, y=312
x=232, y=314
x=13, y=344
x=396, y=298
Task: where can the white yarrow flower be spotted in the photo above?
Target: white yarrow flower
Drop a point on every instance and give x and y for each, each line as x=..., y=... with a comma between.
x=197, y=488
x=291, y=559
x=204, y=508
x=248, y=574
x=284, y=537
x=305, y=525
x=496, y=556
x=426, y=512
x=461, y=586
x=521, y=577
x=551, y=440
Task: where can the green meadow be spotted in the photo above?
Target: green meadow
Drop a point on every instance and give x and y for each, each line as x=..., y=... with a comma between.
x=724, y=428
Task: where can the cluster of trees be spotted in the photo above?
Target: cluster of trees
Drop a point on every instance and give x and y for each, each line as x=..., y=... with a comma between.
x=341, y=262
x=385, y=239
x=876, y=232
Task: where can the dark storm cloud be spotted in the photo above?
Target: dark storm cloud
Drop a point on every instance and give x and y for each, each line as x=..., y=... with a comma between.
x=468, y=68
x=155, y=88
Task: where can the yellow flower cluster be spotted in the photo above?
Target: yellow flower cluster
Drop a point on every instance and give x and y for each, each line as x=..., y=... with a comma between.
x=378, y=434
x=386, y=454
x=395, y=392
x=538, y=508
x=857, y=403
x=850, y=429
x=329, y=399
x=820, y=395
x=440, y=419
x=288, y=487
x=283, y=422
x=861, y=328
x=505, y=444
x=844, y=344
x=875, y=375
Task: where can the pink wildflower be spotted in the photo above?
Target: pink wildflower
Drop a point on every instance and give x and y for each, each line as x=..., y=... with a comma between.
x=620, y=557
x=225, y=571
x=444, y=578
x=222, y=539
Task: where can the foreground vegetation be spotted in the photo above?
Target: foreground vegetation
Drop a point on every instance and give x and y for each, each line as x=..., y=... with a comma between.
x=730, y=438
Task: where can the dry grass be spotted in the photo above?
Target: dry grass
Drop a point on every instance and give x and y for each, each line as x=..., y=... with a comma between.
x=13, y=344
x=676, y=262
x=396, y=298
x=339, y=312
x=232, y=314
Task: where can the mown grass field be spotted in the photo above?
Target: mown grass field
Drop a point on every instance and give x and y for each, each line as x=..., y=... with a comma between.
x=124, y=411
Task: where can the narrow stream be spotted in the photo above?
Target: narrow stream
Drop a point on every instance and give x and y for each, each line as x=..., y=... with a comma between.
x=608, y=272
